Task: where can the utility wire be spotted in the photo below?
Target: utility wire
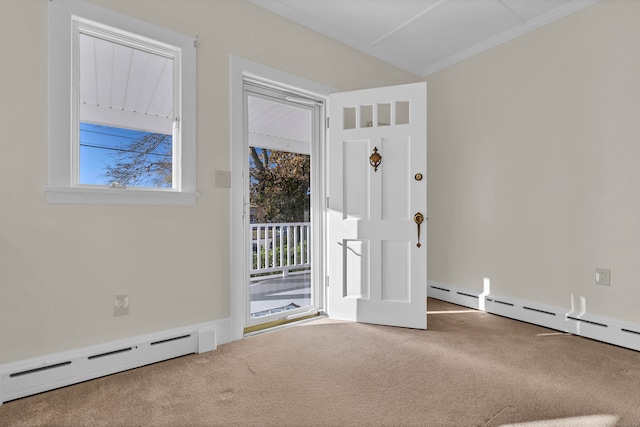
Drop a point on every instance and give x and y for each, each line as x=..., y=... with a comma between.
x=109, y=134
x=123, y=150
x=121, y=136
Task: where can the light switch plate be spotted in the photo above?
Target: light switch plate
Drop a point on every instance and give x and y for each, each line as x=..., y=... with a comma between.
x=223, y=179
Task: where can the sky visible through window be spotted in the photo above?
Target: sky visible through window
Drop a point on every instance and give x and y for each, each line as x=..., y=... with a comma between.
x=104, y=147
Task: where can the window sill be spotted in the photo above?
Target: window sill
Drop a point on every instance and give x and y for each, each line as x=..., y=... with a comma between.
x=120, y=196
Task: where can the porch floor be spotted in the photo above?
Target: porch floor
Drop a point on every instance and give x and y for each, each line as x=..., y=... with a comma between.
x=277, y=294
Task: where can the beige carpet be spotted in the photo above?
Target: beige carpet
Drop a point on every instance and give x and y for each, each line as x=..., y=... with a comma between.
x=469, y=369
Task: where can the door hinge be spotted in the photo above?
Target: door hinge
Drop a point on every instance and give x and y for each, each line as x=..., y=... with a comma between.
x=327, y=122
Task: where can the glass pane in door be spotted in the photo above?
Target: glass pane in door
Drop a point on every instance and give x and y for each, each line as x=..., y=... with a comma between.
x=280, y=209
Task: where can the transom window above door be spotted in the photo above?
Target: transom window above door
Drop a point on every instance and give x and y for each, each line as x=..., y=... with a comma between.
x=380, y=114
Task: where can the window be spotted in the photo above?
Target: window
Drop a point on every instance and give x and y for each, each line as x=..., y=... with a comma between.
x=121, y=109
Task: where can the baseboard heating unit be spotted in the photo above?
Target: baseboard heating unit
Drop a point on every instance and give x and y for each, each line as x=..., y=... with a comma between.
x=612, y=331
x=27, y=377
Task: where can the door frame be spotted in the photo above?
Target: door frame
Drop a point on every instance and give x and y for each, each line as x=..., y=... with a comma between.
x=239, y=69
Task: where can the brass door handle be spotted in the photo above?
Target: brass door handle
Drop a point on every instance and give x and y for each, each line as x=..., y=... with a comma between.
x=418, y=219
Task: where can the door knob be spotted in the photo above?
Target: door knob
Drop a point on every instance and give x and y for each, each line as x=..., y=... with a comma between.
x=418, y=219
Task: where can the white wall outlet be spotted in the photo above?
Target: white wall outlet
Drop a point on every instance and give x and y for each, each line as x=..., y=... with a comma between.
x=121, y=305
x=603, y=277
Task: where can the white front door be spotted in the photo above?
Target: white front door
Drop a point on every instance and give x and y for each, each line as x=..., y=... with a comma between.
x=376, y=251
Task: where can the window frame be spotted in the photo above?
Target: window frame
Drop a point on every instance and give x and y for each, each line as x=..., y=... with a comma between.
x=65, y=17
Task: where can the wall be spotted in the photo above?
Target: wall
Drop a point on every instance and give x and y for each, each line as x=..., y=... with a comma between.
x=534, y=165
x=61, y=265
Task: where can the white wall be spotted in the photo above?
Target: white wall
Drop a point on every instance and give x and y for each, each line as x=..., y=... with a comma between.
x=61, y=265
x=534, y=165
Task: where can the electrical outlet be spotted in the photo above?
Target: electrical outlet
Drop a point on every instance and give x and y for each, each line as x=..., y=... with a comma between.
x=121, y=305
x=603, y=277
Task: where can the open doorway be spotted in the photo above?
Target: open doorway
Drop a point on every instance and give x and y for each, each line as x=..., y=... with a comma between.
x=283, y=211
x=394, y=127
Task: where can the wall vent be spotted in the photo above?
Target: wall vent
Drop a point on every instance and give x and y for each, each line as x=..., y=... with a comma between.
x=109, y=353
x=171, y=339
x=467, y=295
x=36, y=370
x=503, y=303
x=591, y=322
x=537, y=310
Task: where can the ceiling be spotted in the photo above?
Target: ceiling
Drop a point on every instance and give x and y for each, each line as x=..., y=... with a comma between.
x=278, y=126
x=275, y=119
x=423, y=36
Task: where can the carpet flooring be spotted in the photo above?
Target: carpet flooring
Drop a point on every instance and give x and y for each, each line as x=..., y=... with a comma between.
x=469, y=368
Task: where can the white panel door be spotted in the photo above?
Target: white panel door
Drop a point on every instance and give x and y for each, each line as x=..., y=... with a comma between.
x=377, y=266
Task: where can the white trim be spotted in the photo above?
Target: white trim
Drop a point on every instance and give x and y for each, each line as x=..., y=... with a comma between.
x=62, y=13
x=238, y=69
x=130, y=120
x=538, y=22
x=454, y=294
x=119, y=196
x=31, y=376
x=605, y=329
x=531, y=312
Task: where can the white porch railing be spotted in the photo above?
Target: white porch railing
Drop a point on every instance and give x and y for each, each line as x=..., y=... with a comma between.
x=280, y=247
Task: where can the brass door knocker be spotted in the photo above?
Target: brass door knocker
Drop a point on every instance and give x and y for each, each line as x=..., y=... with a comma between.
x=375, y=159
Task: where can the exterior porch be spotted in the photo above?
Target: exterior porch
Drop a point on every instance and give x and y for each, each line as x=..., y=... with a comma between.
x=275, y=294
x=281, y=268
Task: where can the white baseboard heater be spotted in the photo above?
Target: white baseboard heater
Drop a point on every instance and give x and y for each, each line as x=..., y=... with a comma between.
x=27, y=377
x=612, y=331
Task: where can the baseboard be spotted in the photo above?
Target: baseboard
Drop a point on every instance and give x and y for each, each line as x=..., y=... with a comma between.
x=454, y=294
x=27, y=377
x=612, y=331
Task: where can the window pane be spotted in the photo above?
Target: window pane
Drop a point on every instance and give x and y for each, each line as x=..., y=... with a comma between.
x=349, y=118
x=384, y=114
x=124, y=157
x=366, y=116
x=126, y=115
x=402, y=113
